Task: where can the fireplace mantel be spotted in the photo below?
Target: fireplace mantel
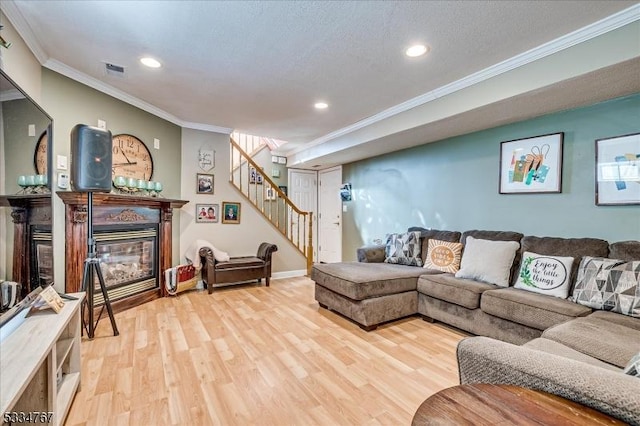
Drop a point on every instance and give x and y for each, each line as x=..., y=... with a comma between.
x=114, y=209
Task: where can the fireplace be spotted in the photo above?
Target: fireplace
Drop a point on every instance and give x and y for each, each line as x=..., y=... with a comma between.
x=127, y=259
x=133, y=244
x=42, y=258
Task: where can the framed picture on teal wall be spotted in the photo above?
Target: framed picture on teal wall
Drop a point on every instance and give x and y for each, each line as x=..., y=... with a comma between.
x=618, y=170
x=531, y=165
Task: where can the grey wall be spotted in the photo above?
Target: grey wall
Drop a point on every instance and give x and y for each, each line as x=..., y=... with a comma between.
x=453, y=184
x=70, y=103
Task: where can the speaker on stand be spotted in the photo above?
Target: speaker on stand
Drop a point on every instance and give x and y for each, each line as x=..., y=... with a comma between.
x=91, y=161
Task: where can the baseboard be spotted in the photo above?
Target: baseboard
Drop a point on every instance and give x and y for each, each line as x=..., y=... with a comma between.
x=289, y=274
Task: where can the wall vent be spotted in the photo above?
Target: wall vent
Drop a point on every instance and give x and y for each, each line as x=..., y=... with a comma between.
x=114, y=70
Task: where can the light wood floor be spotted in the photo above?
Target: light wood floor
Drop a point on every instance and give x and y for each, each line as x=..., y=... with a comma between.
x=255, y=355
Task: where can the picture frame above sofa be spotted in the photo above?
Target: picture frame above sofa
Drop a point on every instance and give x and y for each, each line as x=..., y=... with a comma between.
x=618, y=170
x=531, y=165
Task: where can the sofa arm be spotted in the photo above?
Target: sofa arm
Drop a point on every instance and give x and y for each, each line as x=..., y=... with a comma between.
x=265, y=250
x=486, y=360
x=371, y=254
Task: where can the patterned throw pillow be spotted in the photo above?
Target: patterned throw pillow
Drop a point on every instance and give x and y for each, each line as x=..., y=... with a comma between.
x=609, y=284
x=404, y=249
x=633, y=367
x=443, y=256
x=545, y=274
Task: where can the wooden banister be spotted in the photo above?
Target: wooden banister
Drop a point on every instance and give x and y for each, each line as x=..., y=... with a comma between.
x=292, y=222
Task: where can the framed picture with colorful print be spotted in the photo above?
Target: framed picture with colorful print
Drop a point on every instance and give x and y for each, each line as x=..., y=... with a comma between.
x=531, y=165
x=618, y=170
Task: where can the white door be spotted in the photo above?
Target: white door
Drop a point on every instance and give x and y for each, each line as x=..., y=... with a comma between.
x=303, y=191
x=330, y=215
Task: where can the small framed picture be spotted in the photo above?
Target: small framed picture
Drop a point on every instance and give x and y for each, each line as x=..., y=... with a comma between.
x=230, y=212
x=531, y=165
x=283, y=188
x=618, y=170
x=271, y=194
x=207, y=213
x=204, y=183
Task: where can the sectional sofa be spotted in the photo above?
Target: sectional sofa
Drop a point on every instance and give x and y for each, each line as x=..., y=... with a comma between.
x=526, y=338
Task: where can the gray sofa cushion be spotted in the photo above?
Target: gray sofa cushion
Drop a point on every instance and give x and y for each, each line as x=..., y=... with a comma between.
x=360, y=281
x=552, y=347
x=531, y=309
x=601, y=339
x=497, y=236
x=616, y=318
x=372, y=254
x=434, y=234
x=459, y=291
x=625, y=250
x=574, y=247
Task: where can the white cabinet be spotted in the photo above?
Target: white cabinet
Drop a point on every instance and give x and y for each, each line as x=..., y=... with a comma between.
x=40, y=365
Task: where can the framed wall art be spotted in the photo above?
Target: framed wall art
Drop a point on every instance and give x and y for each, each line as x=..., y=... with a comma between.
x=207, y=213
x=204, y=183
x=618, y=170
x=531, y=165
x=230, y=212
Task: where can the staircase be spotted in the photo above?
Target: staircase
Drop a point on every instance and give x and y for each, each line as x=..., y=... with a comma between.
x=251, y=181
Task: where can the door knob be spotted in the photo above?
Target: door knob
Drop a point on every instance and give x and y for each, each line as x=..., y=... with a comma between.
x=336, y=223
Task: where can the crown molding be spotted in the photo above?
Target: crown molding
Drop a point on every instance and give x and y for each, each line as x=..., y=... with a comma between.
x=23, y=28
x=207, y=127
x=581, y=35
x=96, y=84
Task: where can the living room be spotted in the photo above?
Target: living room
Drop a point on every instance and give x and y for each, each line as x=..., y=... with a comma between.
x=391, y=191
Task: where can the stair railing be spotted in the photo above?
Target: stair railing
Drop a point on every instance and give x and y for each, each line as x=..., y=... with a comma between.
x=274, y=205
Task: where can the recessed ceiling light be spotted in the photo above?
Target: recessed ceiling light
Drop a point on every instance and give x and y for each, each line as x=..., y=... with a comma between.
x=321, y=105
x=416, y=50
x=150, y=62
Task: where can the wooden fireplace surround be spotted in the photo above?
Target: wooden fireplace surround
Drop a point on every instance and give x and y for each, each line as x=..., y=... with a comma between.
x=114, y=209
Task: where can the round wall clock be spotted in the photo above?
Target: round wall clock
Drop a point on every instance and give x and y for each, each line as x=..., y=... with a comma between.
x=131, y=158
x=40, y=156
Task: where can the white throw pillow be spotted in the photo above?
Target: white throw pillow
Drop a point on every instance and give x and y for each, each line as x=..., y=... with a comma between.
x=488, y=261
x=545, y=274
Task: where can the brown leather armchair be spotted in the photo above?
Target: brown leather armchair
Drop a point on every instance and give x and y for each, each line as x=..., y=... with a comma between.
x=237, y=269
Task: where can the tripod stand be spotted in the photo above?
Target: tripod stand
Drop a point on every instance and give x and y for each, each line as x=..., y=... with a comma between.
x=91, y=267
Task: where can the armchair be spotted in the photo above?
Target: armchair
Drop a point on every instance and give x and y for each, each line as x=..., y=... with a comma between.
x=236, y=269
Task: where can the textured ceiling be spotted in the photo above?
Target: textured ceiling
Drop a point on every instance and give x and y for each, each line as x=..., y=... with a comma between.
x=258, y=67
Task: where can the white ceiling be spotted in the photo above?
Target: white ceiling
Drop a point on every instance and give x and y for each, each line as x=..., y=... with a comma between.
x=258, y=67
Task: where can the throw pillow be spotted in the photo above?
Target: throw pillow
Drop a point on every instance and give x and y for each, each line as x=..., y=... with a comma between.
x=443, y=256
x=609, y=284
x=404, y=249
x=488, y=261
x=545, y=274
x=633, y=367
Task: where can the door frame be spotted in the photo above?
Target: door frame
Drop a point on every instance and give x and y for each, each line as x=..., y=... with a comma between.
x=290, y=171
x=340, y=210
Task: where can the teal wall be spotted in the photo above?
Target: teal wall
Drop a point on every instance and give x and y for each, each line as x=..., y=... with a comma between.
x=453, y=184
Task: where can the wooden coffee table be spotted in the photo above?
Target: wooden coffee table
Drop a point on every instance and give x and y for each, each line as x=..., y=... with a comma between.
x=486, y=404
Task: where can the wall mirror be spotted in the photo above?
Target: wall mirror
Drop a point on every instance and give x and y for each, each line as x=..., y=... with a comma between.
x=26, y=255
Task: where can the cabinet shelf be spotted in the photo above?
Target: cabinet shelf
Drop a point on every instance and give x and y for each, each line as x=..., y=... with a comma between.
x=63, y=346
x=66, y=391
x=31, y=357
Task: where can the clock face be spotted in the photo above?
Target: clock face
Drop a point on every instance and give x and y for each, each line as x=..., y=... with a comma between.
x=40, y=156
x=131, y=158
